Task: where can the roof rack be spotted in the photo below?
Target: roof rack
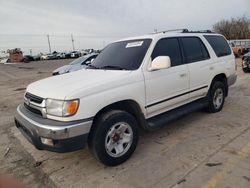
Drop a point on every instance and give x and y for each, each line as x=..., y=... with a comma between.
x=201, y=31
x=185, y=31
x=181, y=30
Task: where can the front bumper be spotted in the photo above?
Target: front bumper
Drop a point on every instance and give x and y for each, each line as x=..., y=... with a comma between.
x=66, y=136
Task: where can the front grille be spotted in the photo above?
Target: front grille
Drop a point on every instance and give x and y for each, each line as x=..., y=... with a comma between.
x=35, y=111
x=34, y=98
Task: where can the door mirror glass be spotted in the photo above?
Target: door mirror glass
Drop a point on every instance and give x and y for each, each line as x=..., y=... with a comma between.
x=160, y=62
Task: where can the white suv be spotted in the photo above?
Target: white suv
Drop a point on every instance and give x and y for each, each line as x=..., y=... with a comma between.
x=143, y=81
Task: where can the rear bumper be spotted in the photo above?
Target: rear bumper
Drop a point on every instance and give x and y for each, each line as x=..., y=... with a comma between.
x=231, y=79
x=65, y=136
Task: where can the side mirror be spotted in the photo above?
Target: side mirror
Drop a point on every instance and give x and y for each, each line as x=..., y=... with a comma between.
x=160, y=62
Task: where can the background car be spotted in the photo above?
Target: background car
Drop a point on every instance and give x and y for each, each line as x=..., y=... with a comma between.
x=246, y=62
x=237, y=49
x=61, y=55
x=28, y=58
x=75, y=65
x=37, y=57
x=75, y=54
x=246, y=48
x=44, y=57
x=4, y=60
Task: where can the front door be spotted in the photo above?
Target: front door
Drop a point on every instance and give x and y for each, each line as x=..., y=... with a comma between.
x=167, y=88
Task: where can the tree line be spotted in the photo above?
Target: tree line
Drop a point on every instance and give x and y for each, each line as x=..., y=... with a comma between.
x=235, y=28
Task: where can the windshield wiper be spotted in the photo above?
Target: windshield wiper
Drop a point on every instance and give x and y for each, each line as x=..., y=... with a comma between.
x=112, y=67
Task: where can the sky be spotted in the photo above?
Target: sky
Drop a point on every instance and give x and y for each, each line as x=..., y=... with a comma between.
x=95, y=23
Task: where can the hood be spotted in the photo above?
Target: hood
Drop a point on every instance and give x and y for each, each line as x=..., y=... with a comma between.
x=79, y=83
x=69, y=68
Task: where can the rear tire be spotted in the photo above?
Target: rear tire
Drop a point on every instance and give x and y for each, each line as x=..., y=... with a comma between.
x=114, y=137
x=216, y=97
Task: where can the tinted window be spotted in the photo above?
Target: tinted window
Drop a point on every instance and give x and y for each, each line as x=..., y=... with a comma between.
x=124, y=55
x=168, y=47
x=219, y=45
x=194, y=49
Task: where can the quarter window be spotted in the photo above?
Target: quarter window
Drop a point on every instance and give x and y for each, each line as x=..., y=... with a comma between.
x=168, y=47
x=194, y=49
x=219, y=45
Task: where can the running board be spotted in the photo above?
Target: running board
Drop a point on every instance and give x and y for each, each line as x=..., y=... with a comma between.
x=167, y=117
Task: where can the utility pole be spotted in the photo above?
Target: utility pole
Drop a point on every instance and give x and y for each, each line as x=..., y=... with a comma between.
x=72, y=39
x=49, y=44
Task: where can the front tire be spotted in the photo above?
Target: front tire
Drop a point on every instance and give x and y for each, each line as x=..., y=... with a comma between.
x=216, y=97
x=114, y=137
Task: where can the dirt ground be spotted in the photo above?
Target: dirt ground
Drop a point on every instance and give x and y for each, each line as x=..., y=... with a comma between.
x=199, y=150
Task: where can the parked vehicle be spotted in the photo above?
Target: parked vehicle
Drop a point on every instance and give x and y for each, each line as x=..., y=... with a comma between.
x=237, y=50
x=61, y=55
x=246, y=48
x=28, y=58
x=144, y=81
x=4, y=60
x=37, y=57
x=75, y=65
x=246, y=63
x=44, y=57
x=75, y=54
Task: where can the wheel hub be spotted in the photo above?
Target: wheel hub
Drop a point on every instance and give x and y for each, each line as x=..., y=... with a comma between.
x=218, y=98
x=118, y=139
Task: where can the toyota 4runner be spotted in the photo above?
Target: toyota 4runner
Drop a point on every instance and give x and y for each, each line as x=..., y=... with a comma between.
x=140, y=82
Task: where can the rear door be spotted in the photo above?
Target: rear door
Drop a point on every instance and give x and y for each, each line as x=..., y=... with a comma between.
x=199, y=64
x=166, y=88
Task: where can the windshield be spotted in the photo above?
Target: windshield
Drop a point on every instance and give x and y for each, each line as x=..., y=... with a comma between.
x=78, y=60
x=126, y=55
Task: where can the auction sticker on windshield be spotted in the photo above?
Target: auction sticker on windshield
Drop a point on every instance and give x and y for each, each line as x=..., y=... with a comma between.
x=134, y=44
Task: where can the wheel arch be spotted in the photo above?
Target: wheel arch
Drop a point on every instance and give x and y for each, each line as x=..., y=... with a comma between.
x=222, y=78
x=129, y=106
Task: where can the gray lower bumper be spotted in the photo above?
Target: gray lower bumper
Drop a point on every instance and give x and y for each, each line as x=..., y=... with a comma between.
x=50, y=128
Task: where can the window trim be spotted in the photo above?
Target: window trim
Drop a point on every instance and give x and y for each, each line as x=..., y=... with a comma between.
x=180, y=49
x=201, y=43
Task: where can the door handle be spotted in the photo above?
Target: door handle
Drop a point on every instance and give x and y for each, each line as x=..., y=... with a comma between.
x=183, y=75
x=211, y=68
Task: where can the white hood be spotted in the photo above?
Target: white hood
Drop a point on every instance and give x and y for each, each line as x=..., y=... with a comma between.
x=78, y=84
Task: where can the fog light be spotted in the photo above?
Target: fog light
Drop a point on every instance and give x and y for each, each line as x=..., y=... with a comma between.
x=47, y=141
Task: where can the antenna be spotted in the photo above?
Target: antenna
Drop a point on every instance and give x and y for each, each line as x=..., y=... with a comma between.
x=49, y=44
x=72, y=40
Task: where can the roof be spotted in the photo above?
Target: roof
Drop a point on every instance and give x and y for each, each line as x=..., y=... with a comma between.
x=170, y=33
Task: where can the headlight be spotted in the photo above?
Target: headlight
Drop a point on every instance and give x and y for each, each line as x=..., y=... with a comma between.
x=61, y=108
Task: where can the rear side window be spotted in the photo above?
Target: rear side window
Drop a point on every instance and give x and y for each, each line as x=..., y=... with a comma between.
x=168, y=47
x=219, y=45
x=194, y=49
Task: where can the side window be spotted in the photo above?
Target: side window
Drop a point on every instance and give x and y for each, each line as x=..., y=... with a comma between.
x=194, y=49
x=168, y=47
x=219, y=45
